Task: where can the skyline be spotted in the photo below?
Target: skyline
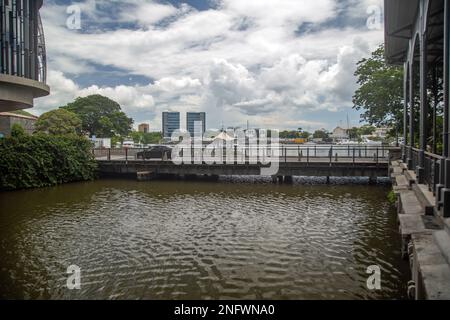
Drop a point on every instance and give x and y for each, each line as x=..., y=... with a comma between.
x=295, y=68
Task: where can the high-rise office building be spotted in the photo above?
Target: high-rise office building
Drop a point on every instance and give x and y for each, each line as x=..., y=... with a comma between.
x=170, y=123
x=192, y=117
x=22, y=54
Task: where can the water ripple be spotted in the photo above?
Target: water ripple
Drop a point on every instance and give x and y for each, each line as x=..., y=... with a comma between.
x=241, y=238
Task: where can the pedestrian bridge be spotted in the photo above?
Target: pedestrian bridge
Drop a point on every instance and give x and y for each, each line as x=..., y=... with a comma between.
x=318, y=160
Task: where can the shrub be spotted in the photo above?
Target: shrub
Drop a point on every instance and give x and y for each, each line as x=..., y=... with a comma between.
x=44, y=160
x=392, y=198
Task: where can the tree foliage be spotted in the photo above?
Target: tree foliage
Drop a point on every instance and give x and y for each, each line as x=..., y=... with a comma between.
x=100, y=116
x=40, y=160
x=17, y=131
x=320, y=134
x=147, y=137
x=59, y=122
x=294, y=134
x=380, y=92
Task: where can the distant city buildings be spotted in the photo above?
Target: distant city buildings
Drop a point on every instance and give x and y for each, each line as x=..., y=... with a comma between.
x=144, y=128
x=170, y=123
x=191, y=118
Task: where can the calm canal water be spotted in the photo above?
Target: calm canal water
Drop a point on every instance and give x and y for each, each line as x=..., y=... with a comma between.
x=236, y=238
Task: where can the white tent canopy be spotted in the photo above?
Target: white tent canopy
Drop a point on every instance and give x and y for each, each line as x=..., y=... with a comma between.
x=224, y=136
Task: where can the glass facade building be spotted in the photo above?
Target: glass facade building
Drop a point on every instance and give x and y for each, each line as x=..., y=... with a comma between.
x=170, y=123
x=22, y=54
x=191, y=118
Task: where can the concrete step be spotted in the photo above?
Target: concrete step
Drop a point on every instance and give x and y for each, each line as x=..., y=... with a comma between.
x=395, y=163
x=446, y=224
x=412, y=224
x=403, y=166
x=442, y=239
x=410, y=176
x=409, y=203
x=425, y=197
x=401, y=181
x=434, y=280
x=397, y=169
x=394, y=175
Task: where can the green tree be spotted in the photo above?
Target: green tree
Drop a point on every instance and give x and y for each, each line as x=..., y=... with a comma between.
x=304, y=134
x=320, y=134
x=40, y=160
x=17, y=131
x=101, y=116
x=353, y=133
x=366, y=130
x=380, y=92
x=59, y=122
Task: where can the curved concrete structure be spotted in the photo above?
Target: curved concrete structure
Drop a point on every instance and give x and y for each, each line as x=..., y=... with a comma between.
x=18, y=93
x=22, y=55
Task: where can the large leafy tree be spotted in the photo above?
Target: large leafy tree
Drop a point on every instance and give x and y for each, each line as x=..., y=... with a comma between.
x=101, y=116
x=59, y=122
x=380, y=92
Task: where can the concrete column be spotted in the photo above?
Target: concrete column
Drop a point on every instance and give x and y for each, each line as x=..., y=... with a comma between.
x=445, y=191
x=411, y=115
x=420, y=170
x=405, y=111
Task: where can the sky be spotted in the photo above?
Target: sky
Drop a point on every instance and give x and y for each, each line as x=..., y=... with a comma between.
x=278, y=64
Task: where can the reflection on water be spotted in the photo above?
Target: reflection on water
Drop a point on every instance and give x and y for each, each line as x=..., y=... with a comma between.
x=240, y=238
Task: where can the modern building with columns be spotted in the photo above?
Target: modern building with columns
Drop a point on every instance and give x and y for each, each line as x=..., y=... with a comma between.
x=417, y=37
x=22, y=54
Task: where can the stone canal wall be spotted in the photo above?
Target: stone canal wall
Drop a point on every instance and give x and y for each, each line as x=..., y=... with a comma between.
x=425, y=235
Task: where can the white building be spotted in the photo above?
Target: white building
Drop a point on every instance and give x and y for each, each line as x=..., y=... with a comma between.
x=381, y=132
x=339, y=134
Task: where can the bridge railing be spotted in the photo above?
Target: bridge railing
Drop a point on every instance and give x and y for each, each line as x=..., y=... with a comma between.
x=286, y=153
x=432, y=163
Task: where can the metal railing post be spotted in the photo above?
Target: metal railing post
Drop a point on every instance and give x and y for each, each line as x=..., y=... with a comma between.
x=353, y=155
x=307, y=155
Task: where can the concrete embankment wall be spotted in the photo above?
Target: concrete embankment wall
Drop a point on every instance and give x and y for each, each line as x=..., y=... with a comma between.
x=425, y=235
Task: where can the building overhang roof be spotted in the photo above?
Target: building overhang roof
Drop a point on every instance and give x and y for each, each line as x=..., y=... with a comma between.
x=399, y=20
